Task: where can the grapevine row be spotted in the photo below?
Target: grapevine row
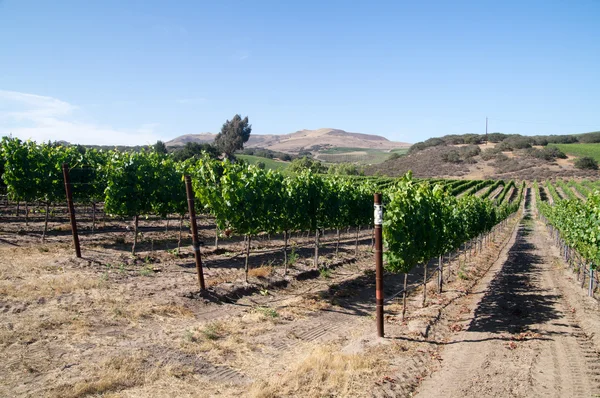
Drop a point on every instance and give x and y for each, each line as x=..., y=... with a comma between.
x=422, y=220
x=577, y=223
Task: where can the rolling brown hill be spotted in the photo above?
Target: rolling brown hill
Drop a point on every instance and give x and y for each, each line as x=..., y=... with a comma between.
x=303, y=140
x=430, y=163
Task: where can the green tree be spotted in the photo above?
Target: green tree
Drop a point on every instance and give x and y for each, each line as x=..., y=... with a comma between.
x=194, y=149
x=233, y=135
x=305, y=163
x=160, y=147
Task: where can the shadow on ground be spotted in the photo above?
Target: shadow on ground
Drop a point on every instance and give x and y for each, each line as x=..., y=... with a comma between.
x=514, y=302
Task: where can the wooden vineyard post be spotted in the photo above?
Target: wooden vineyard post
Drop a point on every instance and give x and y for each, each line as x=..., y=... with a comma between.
x=378, y=218
x=441, y=273
x=194, y=227
x=591, y=289
x=67, y=178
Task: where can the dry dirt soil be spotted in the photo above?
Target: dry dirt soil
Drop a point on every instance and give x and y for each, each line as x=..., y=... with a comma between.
x=509, y=321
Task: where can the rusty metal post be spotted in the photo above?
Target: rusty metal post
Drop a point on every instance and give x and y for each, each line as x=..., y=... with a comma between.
x=378, y=218
x=194, y=227
x=67, y=178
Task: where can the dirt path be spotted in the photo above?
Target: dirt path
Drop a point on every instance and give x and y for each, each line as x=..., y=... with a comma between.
x=522, y=339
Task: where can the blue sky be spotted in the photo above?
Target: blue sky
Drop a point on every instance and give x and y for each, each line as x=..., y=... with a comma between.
x=132, y=72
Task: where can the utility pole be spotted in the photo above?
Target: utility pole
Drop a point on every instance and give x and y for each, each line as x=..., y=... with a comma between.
x=486, y=133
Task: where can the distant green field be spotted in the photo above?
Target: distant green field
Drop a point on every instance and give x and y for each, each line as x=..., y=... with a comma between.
x=269, y=163
x=579, y=150
x=368, y=156
x=339, y=150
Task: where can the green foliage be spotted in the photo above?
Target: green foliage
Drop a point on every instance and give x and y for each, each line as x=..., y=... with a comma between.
x=194, y=150
x=577, y=221
x=34, y=172
x=394, y=156
x=2, y=168
x=478, y=186
x=590, y=138
x=505, y=190
x=515, y=142
x=547, y=153
x=490, y=153
x=160, y=147
x=248, y=200
x=305, y=163
x=496, y=137
x=131, y=183
x=324, y=273
x=555, y=196
x=422, y=222
x=233, y=135
x=268, y=312
x=412, y=213
x=492, y=188
x=419, y=146
x=347, y=169
x=463, y=185
x=451, y=156
x=293, y=256
x=566, y=189
x=586, y=163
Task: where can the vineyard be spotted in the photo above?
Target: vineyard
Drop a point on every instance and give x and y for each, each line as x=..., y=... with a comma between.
x=571, y=211
x=247, y=201
x=287, y=262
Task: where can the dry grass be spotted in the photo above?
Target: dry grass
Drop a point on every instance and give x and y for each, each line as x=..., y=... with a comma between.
x=26, y=274
x=32, y=325
x=219, y=278
x=62, y=227
x=111, y=375
x=303, y=307
x=48, y=285
x=324, y=372
x=261, y=272
x=149, y=309
x=228, y=340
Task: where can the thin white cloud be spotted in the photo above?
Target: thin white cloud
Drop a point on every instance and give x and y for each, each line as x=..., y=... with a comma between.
x=42, y=118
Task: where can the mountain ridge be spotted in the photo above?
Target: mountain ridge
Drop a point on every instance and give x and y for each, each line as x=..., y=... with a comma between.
x=303, y=140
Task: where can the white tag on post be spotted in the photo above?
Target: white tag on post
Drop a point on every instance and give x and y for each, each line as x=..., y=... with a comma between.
x=378, y=216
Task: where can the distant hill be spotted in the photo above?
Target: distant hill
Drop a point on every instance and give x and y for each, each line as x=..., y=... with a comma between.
x=303, y=140
x=506, y=156
x=184, y=139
